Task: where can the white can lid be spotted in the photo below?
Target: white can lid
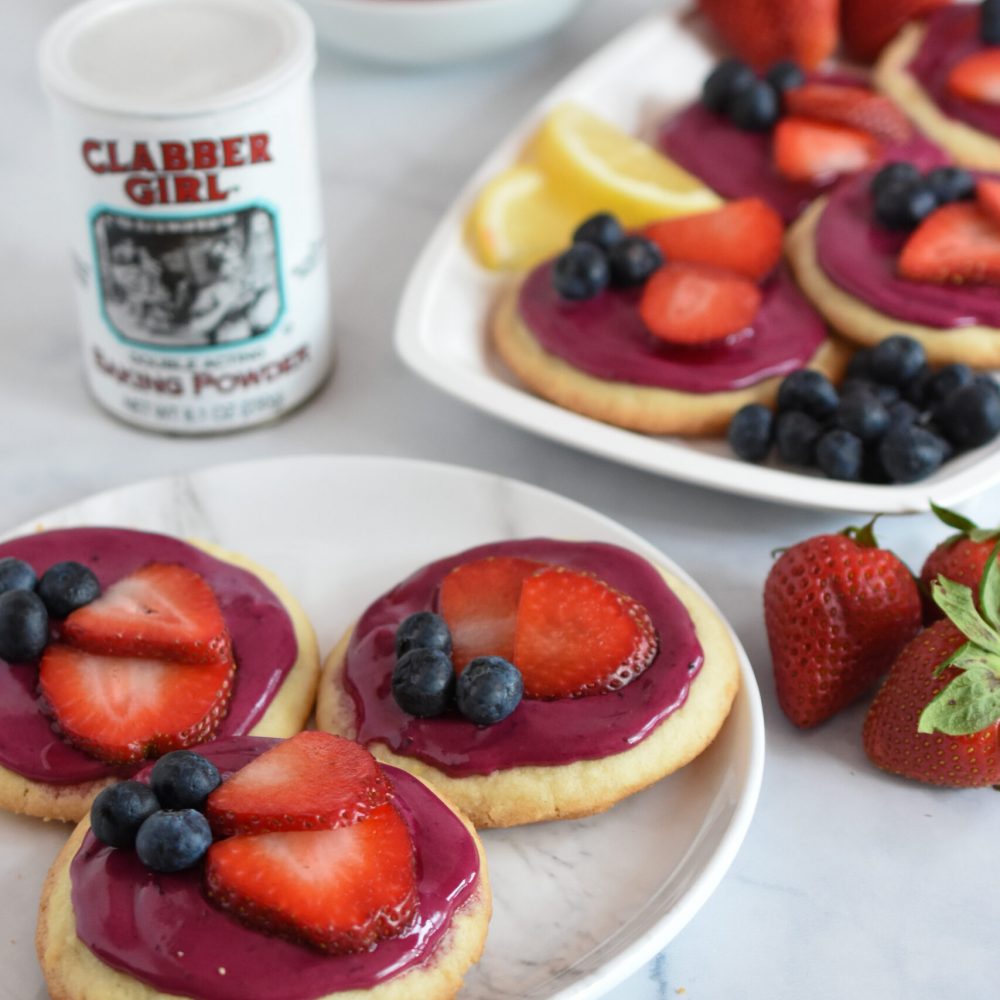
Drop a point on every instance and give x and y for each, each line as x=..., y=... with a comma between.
x=170, y=58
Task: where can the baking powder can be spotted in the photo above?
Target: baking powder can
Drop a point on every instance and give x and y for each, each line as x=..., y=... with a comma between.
x=187, y=135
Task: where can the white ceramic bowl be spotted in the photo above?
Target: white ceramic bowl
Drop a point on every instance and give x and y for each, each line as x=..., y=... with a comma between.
x=433, y=32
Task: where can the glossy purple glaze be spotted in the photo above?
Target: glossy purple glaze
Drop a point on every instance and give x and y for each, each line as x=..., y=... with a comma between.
x=606, y=337
x=860, y=257
x=952, y=34
x=537, y=732
x=162, y=930
x=739, y=164
x=263, y=642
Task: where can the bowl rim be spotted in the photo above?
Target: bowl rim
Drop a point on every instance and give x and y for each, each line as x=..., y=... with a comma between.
x=421, y=7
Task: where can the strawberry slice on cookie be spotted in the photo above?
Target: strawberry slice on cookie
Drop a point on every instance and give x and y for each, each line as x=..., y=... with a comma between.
x=329, y=861
x=123, y=709
x=312, y=781
x=162, y=610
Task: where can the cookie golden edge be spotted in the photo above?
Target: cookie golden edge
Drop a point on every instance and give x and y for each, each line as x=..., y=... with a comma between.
x=978, y=346
x=73, y=972
x=647, y=409
x=968, y=146
x=287, y=713
x=519, y=795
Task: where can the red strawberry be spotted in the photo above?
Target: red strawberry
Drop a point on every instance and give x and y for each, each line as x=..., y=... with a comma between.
x=337, y=890
x=869, y=24
x=988, y=197
x=745, y=236
x=122, y=709
x=977, y=77
x=955, y=244
x=899, y=736
x=478, y=600
x=764, y=31
x=576, y=635
x=858, y=107
x=837, y=611
x=312, y=781
x=811, y=151
x=696, y=303
x=961, y=557
x=162, y=611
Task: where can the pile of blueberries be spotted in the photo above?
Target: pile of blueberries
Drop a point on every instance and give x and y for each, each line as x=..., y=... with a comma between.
x=902, y=196
x=163, y=821
x=424, y=682
x=750, y=102
x=27, y=603
x=893, y=420
x=602, y=254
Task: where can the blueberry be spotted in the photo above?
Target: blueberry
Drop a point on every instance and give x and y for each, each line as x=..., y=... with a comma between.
x=904, y=204
x=603, y=230
x=864, y=415
x=24, y=626
x=989, y=22
x=119, y=810
x=944, y=382
x=915, y=389
x=751, y=432
x=885, y=394
x=581, y=272
x=840, y=454
x=808, y=391
x=796, y=434
x=173, y=840
x=757, y=108
x=872, y=469
x=910, y=452
x=729, y=78
x=897, y=359
x=903, y=412
x=950, y=184
x=423, y=682
x=488, y=690
x=15, y=574
x=898, y=172
x=183, y=779
x=970, y=416
x=785, y=75
x=67, y=586
x=423, y=630
x=633, y=260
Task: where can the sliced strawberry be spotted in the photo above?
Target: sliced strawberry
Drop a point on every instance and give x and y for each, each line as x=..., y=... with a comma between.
x=764, y=31
x=806, y=150
x=337, y=890
x=478, y=600
x=858, y=107
x=696, y=303
x=162, y=611
x=745, y=236
x=868, y=24
x=977, y=77
x=121, y=709
x=313, y=781
x=956, y=244
x=988, y=197
x=576, y=635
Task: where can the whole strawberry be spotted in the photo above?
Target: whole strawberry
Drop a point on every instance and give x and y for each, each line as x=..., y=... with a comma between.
x=937, y=717
x=838, y=609
x=961, y=557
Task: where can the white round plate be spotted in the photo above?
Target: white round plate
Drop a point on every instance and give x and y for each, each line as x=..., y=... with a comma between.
x=578, y=904
x=650, y=70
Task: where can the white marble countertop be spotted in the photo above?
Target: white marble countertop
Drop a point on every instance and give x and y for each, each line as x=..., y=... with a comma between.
x=849, y=883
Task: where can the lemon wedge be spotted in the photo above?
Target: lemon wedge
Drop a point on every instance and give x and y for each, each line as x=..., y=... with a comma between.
x=593, y=163
x=519, y=219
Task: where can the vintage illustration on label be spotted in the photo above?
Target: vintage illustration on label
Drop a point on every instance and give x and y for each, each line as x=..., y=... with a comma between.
x=189, y=282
